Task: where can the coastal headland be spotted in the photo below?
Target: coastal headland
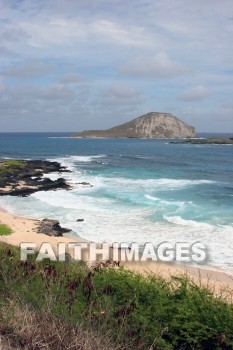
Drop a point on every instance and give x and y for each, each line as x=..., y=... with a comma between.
x=24, y=177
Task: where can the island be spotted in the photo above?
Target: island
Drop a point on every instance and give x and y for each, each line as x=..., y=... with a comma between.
x=151, y=125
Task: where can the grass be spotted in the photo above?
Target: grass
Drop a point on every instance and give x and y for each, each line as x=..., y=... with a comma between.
x=9, y=163
x=10, y=166
x=111, y=306
x=5, y=230
x=42, y=330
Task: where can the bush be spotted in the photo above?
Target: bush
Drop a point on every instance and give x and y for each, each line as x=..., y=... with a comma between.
x=138, y=312
x=5, y=230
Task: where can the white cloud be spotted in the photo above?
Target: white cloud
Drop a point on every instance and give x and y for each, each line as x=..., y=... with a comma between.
x=28, y=69
x=12, y=33
x=196, y=93
x=218, y=119
x=62, y=36
x=157, y=66
x=2, y=88
x=189, y=42
x=55, y=92
x=72, y=78
x=228, y=106
x=120, y=34
x=5, y=52
x=119, y=95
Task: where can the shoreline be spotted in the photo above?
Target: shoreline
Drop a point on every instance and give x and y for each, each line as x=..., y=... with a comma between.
x=24, y=230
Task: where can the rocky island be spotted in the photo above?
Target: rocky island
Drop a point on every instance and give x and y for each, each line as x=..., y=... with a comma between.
x=150, y=125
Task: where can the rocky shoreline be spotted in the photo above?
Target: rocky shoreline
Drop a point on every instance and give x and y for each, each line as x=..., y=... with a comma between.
x=24, y=177
x=207, y=141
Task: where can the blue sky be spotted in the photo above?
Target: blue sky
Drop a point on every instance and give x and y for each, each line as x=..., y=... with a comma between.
x=70, y=65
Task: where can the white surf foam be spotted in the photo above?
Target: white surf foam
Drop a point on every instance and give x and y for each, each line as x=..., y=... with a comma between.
x=86, y=158
x=152, y=198
x=157, y=184
x=71, y=162
x=105, y=220
x=178, y=220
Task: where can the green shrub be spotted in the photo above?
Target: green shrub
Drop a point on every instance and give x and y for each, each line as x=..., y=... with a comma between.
x=139, y=312
x=10, y=166
x=13, y=163
x=5, y=230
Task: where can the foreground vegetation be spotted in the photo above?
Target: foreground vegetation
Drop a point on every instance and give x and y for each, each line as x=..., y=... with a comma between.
x=68, y=306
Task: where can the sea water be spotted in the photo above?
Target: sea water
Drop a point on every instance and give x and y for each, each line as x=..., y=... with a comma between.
x=141, y=190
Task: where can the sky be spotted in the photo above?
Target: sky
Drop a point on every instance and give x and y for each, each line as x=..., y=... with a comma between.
x=72, y=65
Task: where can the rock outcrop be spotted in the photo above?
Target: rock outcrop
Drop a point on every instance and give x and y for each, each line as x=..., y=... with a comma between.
x=24, y=177
x=151, y=125
x=51, y=228
x=208, y=141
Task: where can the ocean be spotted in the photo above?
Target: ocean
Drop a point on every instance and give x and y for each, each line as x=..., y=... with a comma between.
x=141, y=190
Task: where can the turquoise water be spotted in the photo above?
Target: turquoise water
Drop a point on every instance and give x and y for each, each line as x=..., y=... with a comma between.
x=142, y=190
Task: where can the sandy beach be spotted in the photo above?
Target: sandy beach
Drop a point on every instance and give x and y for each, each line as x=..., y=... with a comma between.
x=24, y=230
